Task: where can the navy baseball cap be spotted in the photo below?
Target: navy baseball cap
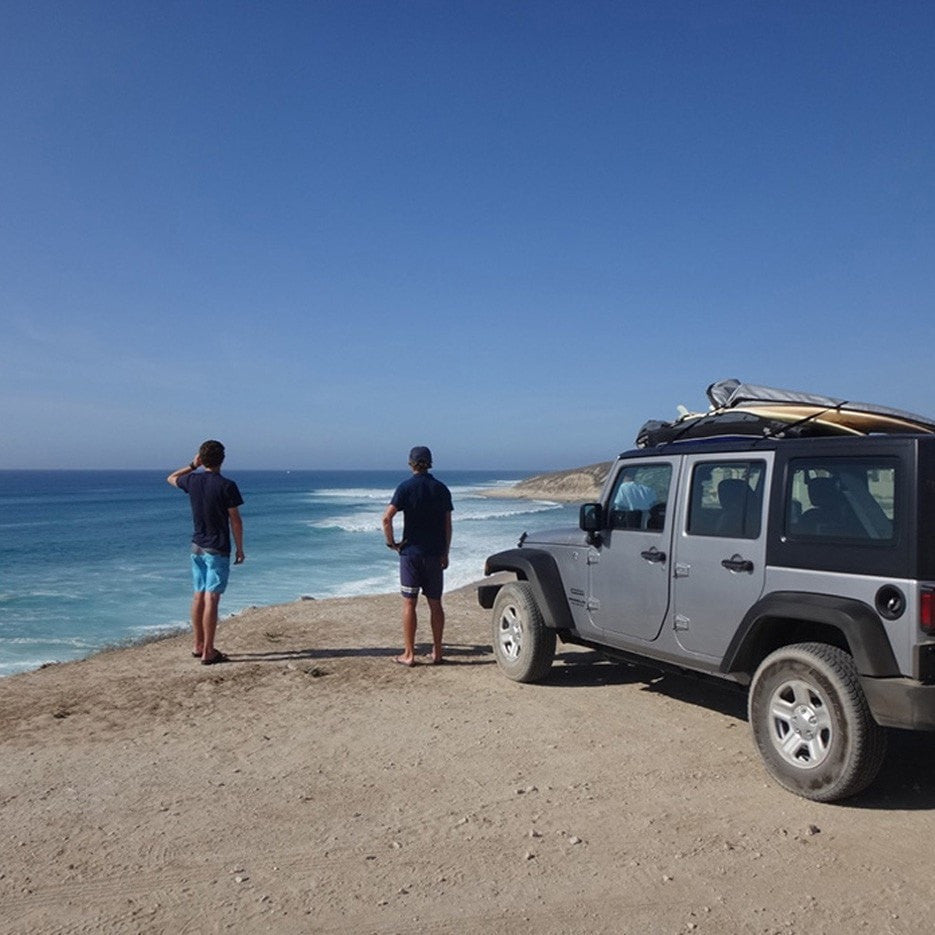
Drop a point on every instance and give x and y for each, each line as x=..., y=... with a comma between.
x=420, y=455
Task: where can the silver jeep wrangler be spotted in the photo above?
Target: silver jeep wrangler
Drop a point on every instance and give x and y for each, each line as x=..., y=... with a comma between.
x=782, y=541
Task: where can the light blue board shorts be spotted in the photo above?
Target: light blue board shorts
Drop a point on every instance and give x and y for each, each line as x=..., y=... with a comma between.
x=210, y=572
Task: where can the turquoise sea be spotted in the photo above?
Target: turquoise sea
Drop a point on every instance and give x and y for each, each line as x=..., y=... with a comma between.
x=93, y=558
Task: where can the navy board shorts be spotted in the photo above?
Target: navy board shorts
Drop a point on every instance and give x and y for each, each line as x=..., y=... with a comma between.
x=421, y=572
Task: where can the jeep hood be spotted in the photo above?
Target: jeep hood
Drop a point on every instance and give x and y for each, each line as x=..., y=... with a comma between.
x=565, y=535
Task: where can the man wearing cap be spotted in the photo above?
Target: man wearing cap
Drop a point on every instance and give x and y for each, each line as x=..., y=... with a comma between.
x=425, y=503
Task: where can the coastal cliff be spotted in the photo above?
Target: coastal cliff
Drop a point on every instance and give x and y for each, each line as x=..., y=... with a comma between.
x=577, y=485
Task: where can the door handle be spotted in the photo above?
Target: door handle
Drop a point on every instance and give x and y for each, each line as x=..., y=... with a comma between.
x=737, y=563
x=654, y=555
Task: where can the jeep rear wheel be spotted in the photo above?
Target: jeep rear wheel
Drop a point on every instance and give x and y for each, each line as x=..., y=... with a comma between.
x=811, y=722
x=523, y=645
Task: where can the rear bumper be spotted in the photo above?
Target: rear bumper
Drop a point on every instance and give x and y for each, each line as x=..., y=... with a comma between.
x=900, y=702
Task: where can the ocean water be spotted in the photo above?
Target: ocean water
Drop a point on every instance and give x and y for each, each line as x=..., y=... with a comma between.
x=95, y=558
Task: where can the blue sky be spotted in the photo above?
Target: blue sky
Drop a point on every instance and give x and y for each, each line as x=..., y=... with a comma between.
x=326, y=231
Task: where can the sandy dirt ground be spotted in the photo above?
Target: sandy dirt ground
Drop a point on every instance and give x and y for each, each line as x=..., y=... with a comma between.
x=312, y=785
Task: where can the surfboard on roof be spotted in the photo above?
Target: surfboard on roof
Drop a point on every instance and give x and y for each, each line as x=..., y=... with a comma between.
x=749, y=409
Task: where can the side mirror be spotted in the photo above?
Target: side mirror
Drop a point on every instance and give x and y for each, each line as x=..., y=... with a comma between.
x=591, y=521
x=591, y=517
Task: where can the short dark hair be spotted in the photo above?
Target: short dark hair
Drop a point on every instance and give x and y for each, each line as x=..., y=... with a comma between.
x=211, y=453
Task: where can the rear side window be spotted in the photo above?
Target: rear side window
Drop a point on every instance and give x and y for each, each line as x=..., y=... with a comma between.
x=639, y=497
x=727, y=499
x=842, y=498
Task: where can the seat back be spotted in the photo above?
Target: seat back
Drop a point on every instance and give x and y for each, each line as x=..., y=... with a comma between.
x=732, y=494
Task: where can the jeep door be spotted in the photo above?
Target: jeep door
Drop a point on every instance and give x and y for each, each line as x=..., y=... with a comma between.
x=720, y=548
x=629, y=568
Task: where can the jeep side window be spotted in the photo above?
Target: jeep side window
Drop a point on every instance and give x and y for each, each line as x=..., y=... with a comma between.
x=639, y=497
x=842, y=498
x=726, y=499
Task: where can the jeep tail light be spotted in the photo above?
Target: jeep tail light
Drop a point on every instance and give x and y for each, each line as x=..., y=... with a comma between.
x=927, y=610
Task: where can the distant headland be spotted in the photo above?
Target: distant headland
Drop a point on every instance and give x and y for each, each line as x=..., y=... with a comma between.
x=577, y=485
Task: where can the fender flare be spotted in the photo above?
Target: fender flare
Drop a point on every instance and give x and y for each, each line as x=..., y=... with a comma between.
x=541, y=572
x=858, y=623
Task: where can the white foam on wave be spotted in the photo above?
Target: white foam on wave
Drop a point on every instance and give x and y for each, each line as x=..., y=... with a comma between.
x=23, y=665
x=170, y=627
x=466, y=509
x=361, y=586
x=371, y=522
x=461, y=576
x=500, y=511
x=353, y=493
x=75, y=642
x=360, y=522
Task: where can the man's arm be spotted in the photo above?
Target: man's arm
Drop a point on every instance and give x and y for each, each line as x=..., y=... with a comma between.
x=173, y=478
x=388, y=533
x=237, y=532
x=447, y=539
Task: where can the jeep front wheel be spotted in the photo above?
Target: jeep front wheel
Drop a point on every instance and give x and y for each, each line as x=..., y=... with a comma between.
x=523, y=645
x=811, y=722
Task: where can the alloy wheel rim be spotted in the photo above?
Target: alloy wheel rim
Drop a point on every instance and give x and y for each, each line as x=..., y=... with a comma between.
x=801, y=728
x=510, y=633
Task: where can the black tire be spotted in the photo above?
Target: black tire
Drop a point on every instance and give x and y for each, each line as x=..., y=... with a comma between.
x=811, y=722
x=523, y=644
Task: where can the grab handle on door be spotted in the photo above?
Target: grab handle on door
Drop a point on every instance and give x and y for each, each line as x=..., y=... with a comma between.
x=737, y=563
x=653, y=555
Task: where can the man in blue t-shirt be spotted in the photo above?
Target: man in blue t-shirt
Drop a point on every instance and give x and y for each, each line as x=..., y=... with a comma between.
x=425, y=503
x=215, y=515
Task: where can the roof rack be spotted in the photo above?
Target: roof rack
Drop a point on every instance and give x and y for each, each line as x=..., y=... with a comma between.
x=747, y=409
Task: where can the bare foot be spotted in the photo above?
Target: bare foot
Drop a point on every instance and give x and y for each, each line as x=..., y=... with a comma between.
x=407, y=661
